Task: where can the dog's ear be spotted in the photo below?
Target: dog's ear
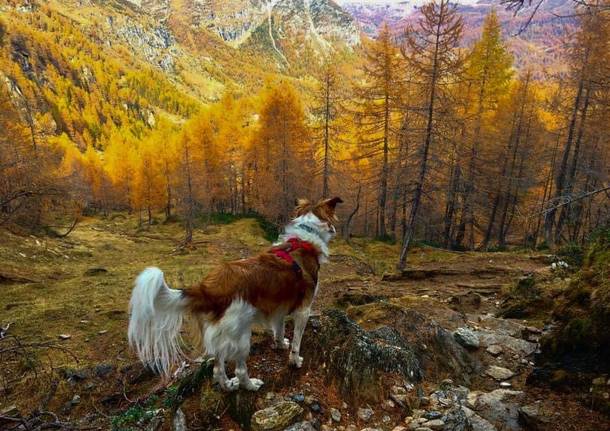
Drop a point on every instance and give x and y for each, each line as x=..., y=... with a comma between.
x=328, y=208
x=302, y=206
x=332, y=203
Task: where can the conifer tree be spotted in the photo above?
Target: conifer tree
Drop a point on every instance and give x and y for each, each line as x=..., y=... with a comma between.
x=488, y=71
x=281, y=151
x=430, y=51
x=378, y=102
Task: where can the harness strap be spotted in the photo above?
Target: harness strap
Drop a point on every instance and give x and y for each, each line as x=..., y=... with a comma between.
x=294, y=244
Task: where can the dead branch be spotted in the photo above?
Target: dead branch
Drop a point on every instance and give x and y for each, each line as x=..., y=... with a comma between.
x=76, y=220
x=568, y=200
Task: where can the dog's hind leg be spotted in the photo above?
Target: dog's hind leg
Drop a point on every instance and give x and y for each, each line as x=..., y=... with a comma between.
x=277, y=323
x=241, y=369
x=300, y=321
x=229, y=339
x=241, y=372
x=220, y=376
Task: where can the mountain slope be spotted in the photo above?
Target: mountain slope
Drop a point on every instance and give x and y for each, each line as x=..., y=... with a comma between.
x=537, y=45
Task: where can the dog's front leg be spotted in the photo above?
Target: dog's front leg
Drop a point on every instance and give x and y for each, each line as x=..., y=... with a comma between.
x=300, y=321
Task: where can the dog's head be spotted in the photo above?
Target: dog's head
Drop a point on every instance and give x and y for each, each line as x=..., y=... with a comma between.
x=324, y=210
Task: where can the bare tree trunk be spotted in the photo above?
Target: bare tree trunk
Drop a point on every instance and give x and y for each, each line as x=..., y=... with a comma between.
x=569, y=184
x=168, y=203
x=348, y=222
x=410, y=230
x=506, y=196
x=326, y=171
x=561, y=175
x=189, y=215
x=548, y=185
x=383, y=187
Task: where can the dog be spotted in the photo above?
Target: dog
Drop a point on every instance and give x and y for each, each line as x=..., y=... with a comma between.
x=266, y=288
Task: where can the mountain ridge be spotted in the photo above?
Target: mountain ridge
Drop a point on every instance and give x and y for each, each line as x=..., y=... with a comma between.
x=532, y=43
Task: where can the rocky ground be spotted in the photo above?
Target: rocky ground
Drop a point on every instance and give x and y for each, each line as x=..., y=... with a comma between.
x=421, y=350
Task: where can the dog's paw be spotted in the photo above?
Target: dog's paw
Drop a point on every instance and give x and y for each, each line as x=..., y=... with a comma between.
x=282, y=345
x=254, y=384
x=295, y=360
x=231, y=384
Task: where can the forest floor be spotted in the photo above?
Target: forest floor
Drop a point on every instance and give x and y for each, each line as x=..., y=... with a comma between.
x=66, y=352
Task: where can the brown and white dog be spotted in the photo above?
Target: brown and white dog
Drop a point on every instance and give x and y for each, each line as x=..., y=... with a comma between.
x=263, y=289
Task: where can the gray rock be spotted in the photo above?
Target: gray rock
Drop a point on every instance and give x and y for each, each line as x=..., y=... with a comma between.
x=476, y=422
x=471, y=399
x=301, y=426
x=75, y=399
x=495, y=350
x=102, y=370
x=455, y=419
x=480, y=424
x=499, y=373
x=417, y=413
x=365, y=413
x=179, y=422
x=276, y=417
x=517, y=345
x=435, y=424
x=433, y=415
x=467, y=338
x=501, y=406
x=502, y=326
x=532, y=417
x=335, y=415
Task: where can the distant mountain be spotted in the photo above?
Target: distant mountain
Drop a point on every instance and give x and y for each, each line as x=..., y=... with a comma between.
x=539, y=44
x=277, y=27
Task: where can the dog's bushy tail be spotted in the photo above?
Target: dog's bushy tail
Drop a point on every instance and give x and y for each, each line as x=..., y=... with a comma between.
x=155, y=322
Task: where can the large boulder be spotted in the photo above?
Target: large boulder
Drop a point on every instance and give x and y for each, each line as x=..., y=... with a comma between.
x=500, y=408
x=467, y=338
x=438, y=352
x=356, y=359
x=524, y=299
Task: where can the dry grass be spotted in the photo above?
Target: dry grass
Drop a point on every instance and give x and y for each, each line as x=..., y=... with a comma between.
x=61, y=298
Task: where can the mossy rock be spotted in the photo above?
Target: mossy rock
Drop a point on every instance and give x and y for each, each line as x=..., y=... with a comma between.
x=356, y=360
x=579, y=346
x=524, y=299
x=212, y=403
x=277, y=417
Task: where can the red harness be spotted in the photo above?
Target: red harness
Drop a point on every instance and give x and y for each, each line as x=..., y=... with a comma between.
x=295, y=244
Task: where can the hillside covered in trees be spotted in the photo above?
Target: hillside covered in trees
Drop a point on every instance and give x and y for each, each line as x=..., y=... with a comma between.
x=188, y=124
x=403, y=125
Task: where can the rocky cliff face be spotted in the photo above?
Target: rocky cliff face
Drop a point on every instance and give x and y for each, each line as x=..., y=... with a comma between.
x=202, y=45
x=321, y=22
